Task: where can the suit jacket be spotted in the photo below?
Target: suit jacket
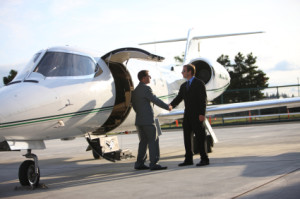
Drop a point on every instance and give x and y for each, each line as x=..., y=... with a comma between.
x=142, y=96
x=194, y=98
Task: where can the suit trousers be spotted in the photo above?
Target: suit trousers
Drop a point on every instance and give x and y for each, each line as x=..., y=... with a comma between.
x=191, y=126
x=148, y=138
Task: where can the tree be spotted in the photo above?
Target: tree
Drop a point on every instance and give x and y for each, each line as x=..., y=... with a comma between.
x=246, y=79
x=10, y=77
x=224, y=60
x=179, y=59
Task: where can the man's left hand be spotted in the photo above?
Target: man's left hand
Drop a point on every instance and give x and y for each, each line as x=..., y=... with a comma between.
x=201, y=118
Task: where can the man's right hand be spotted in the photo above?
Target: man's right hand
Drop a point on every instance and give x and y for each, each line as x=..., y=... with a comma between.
x=170, y=107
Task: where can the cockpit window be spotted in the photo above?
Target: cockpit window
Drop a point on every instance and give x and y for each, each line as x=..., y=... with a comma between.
x=28, y=68
x=65, y=64
x=36, y=56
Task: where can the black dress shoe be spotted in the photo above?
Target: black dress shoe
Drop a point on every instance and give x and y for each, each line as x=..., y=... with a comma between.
x=185, y=164
x=143, y=167
x=157, y=167
x=203, y=163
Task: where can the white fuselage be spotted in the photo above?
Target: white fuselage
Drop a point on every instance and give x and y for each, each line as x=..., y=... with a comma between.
x=37, y=107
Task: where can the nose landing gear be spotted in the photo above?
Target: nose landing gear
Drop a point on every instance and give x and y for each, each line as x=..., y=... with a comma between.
x=29, y=172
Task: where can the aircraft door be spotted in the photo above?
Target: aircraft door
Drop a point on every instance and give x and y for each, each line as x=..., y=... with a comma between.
x=123, y=90
x=123, y=82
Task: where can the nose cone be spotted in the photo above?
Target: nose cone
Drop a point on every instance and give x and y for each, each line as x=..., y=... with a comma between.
x=23, y=101
x=8, y=96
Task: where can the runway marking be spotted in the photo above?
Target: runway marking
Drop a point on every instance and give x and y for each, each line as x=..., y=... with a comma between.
x=265, y=183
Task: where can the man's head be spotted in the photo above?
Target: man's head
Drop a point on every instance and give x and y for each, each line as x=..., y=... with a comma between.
x=144, y=76
x=188, y=71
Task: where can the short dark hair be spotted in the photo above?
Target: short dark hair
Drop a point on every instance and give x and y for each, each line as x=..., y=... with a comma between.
x=191, y=67
x=142, y=74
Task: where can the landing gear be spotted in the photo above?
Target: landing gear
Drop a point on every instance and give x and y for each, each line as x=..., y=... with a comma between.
x=96, y=155
x=108, y=148
x=29, y=172
x=209, y=144
x=97, y=149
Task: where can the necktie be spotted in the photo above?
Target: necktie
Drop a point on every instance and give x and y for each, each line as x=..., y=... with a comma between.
x=187, y=85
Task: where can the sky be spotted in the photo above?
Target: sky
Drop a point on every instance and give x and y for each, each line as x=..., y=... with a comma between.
x=27, y=26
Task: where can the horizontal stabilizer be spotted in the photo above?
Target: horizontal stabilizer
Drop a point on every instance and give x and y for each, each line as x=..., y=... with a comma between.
x=201, y=37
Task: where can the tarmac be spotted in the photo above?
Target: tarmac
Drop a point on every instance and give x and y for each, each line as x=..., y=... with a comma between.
x=253, y=161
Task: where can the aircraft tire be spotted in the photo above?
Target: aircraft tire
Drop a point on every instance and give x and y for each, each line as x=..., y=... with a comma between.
x=27, y=175
x=96, y=156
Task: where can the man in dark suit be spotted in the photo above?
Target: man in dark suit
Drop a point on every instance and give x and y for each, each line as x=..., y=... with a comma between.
x=142, y=96
x=193, y=93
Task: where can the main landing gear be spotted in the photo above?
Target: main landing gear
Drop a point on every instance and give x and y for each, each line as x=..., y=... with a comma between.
x=29, y=172
x=108, y=148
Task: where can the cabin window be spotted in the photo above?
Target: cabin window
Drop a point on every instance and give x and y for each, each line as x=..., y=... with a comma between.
x=65, y=64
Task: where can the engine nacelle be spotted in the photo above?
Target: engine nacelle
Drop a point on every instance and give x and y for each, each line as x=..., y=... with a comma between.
x=203, y=70
x=213, y=74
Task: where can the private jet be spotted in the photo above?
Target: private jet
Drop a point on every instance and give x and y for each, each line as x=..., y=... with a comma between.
x=65, y=92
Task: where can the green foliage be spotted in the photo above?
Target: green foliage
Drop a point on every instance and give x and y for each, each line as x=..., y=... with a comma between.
x=10, y=77
x=244, y=75
x=179, y=59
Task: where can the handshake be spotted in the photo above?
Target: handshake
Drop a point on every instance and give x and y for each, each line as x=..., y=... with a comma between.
x=170, y=107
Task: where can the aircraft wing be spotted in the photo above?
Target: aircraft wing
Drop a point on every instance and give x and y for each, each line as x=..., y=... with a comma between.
x=237, y=107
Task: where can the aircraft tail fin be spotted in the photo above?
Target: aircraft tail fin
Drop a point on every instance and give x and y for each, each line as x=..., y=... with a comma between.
x=192, y=48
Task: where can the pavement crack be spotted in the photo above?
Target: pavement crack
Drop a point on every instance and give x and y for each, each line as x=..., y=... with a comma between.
x=269, y=182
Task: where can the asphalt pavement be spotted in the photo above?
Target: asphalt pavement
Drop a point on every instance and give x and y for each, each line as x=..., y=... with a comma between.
x=255, y=161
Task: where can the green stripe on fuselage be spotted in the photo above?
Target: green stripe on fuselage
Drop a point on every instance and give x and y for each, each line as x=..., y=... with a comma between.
x=54, y=117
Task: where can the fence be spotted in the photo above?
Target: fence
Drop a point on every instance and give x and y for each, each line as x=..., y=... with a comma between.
x=269, y=92
x=220, y=120
x=257, y=116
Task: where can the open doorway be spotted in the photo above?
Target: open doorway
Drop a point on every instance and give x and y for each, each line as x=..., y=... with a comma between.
x=124, y=88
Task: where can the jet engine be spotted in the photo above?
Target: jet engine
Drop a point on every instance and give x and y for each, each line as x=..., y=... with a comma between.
x=203, y=70
x=213, y=74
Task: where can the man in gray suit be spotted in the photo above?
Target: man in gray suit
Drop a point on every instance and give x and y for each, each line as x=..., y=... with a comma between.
x=142, y=96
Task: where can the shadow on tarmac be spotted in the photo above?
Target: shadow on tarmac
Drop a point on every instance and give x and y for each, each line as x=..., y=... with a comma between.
x=62, y=173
